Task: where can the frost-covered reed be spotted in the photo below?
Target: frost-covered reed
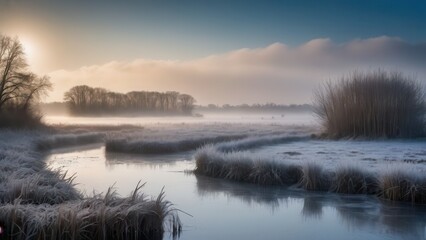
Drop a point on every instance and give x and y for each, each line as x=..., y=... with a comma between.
x=44, y=187
x=398, y=185
x=162, y=147
x=97, y=217
x=314, y=178
x=240, y=166
x=352, y=179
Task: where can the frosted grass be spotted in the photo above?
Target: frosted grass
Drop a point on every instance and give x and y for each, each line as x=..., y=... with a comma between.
x=38, y=203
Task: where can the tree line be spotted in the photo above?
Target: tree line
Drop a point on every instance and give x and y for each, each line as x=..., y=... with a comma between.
x=20, y=89
x=85, y=100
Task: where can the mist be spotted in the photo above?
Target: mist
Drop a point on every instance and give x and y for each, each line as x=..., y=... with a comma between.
x=276, y=73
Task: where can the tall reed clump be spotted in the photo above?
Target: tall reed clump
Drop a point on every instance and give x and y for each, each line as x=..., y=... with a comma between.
x=372, y=104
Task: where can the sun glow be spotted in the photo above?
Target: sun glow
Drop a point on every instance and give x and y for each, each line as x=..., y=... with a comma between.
x=29, y=48
x=32, y=53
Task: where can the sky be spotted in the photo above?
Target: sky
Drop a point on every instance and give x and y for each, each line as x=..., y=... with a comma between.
x=218, y=51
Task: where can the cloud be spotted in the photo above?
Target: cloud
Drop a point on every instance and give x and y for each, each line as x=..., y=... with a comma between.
x=276, y=73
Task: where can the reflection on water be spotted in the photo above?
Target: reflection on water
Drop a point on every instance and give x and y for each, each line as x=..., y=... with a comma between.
x=361, y=212
x=226, y=210
x=312, y=207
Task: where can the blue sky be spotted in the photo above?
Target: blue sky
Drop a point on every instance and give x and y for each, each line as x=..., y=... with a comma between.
x=72, y=34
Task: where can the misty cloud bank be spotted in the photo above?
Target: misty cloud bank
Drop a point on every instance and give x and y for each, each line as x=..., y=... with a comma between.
x=276, y=73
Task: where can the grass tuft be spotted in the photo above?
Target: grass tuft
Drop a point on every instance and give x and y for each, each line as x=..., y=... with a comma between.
x=399, y=185
x=351, y=179
x=313, y=177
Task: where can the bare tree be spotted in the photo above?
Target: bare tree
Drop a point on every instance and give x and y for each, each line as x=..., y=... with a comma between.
x=19, y=87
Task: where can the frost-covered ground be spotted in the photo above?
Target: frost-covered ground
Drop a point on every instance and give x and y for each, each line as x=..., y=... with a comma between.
x=23, y=173
x=373, y=155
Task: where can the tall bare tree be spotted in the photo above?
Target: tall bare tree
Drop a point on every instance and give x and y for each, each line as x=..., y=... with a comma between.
x=18, y=86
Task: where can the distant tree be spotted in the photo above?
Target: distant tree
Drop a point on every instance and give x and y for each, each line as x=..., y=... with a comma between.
x=78, y=98
x=187, y=103
x=226, y=106
x=19, y=88
x=212, y=106
x=85, y=100
x=173, y=98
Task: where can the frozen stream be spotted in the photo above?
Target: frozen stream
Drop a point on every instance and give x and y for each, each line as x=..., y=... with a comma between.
x=225, y=210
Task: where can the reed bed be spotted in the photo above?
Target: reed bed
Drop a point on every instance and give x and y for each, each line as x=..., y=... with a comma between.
x=372, y=104
x=240, y=166
x=98, y=217
x=163, y=147
x=397, y=185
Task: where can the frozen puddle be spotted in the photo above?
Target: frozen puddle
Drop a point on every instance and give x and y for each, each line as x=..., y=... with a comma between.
x=226, y=210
